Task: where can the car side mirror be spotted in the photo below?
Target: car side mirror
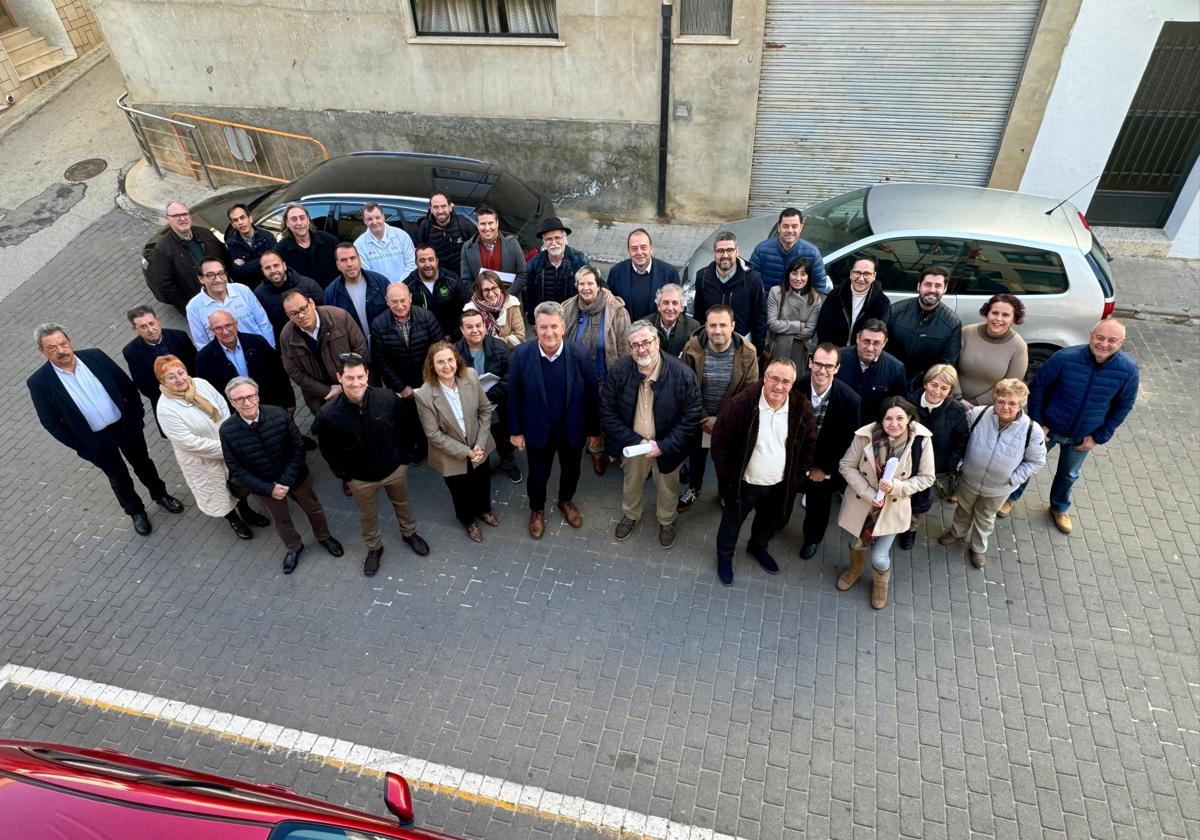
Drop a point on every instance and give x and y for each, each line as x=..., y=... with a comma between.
x=399, y=798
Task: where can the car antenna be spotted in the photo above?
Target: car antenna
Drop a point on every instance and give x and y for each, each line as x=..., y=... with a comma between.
x=1072, y=195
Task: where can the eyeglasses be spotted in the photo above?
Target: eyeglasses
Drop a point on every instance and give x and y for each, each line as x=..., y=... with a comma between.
x=182, y=215
x=246, y=400
x=215, y=275
x=862, y=274
x=349, y=357
x=487, y=290
x=295, y=313
x=819, y=366
x=642, y=345
x=779, y=380
x=223, y=328
x=724, y=250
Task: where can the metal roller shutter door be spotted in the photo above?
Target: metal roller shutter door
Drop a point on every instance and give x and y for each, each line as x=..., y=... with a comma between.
x=852, y=93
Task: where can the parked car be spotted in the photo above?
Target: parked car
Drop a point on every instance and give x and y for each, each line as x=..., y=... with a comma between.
x=990, y=240
x=335, y=190
x=52, y=791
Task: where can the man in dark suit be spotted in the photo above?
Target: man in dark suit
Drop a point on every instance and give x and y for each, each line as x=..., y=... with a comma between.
x=836, y=409
x=552, y=403
x=87, y=403
x=232, y=353
x=153, y=340
x=488, y=354
x=638, y=279
x=871, y=371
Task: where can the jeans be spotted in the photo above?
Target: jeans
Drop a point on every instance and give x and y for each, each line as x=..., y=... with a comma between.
x=1070, y=464
x=879, y=552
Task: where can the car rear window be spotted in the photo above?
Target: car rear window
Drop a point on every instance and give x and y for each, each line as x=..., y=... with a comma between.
x=1098, y=259
x=989, y=268
x=837, y=222
x=515, y=202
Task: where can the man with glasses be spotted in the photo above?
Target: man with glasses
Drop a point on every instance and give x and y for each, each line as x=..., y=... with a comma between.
x=762, y=448
x=870, y=371
x=836, y=416
x=650, y=399
x=311, y=343
x=264, y=451
x=218, y=293
x=174, y=264
x=852, y=304
x=550, y=275
x=730, y=281
x=233, y=353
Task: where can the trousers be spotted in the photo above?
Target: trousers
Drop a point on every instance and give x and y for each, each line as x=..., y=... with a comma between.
x=116, y=441
x=303, y=495
x=1070, y=465
x=765, y=502
x=366, y=497
x=541, y=460
x=666, y=489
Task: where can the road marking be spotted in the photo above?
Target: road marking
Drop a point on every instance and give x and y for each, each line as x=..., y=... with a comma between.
x=344, y=755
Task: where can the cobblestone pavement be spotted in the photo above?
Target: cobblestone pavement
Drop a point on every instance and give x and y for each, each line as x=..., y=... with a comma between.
x=1054, y=694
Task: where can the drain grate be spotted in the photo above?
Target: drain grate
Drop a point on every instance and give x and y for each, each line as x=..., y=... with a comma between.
x=85, y=169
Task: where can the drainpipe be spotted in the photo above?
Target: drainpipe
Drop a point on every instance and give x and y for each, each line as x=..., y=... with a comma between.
x=664, y=111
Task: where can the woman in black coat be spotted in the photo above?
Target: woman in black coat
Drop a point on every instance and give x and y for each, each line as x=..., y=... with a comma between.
x=946, y=418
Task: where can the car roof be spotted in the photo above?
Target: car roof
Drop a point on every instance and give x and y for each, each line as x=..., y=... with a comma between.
x=403, y=173
x=979, y=210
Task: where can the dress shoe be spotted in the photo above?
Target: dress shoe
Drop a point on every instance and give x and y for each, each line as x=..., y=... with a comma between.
x=666, y=536
x=624, y=528
x=141, y=524
x=489, y=518
x=765, y=560
x=907, y=540
x=171, y=504
x=332, y=546
x=346, y=488
x=537, y=524
x=291, y=560
x=725, y=570
x=599, y=463
x=1005, y=509
x=1061, y=521
x=240, y=528
x=571, y=514
x=978, y=558
x=417, y=543
x=513, y=472
x=948, y=538
x=473, y=533
x=809, y=551
x=371, y=564
x=310, y=444
x=252, y=517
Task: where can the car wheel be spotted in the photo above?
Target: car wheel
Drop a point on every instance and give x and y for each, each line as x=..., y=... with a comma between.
x=1038, y=354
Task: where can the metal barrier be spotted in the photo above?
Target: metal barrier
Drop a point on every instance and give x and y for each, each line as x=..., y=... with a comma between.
x=263, y=153
x=167, y=143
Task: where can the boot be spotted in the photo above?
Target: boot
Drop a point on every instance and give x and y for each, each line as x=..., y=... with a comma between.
x=879, y=588
x=858, y=562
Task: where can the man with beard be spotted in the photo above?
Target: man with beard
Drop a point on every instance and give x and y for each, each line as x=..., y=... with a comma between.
x=357, y=290
x=730, y=281
x=872, y=372
x=437, y=290
x=246, y=243
x=219, y=294
x=923, y=331
x=278, y=279
x=446, y=231
x=550, y=275
x=306, y=249
x=772, y=256
x=652, y=399
x=494, y=251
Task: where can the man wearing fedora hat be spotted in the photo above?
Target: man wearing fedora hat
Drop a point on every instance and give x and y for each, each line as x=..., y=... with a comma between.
x=550, y=275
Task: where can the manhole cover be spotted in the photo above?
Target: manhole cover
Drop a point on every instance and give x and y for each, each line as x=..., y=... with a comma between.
x=85, y=169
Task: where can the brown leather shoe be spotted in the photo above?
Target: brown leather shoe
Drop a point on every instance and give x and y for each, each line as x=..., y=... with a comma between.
x=537, y=524
x=371, y=564
x=948, y=538
x=571, y=514
x=978, y=558
x=473, y=533
x=489, y=518
x=599, y=464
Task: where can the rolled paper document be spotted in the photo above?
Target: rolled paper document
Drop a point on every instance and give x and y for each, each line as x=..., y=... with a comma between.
x=889, y=470
x=637, y=449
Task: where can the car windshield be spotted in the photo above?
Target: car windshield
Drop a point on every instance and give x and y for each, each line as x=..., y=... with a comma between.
x=837, y=222
x=519, y=203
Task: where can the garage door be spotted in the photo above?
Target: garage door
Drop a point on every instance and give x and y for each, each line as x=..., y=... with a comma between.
x=857, y=92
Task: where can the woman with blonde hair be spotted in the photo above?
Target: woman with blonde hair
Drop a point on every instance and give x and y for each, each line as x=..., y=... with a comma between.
x=501, y=311
x=190, y=414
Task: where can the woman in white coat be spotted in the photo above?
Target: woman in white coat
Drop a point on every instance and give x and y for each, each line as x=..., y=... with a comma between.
x=190, y=414
x=873, y=525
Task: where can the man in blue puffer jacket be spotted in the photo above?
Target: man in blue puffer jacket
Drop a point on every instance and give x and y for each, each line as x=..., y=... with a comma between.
x=772, y=256
x=1080, y=396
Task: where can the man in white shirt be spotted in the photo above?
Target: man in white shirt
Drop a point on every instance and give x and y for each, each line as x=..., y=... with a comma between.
x=383, y=248
x=219, y=294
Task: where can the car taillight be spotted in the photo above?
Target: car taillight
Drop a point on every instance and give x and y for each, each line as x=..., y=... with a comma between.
x=1109, y=306
x=1083, y=220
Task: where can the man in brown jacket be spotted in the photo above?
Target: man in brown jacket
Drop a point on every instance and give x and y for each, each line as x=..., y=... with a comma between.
x=311, y=343
x=725, y=364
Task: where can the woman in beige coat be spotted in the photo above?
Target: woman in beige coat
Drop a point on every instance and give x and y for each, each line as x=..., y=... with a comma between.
x=457, y=418
x=190, y=414
x=873, y=524
x=501, y=311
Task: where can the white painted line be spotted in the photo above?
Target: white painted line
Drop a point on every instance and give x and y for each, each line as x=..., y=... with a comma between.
x=485, y=790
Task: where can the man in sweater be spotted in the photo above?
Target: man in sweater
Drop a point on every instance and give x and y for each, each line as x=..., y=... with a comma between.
x=638, y=279
x=923, y=331
x=771, y=257
x=674, y=325
x=869, y=370
x=490, y=249
x=383, y=248
x=1080, y=396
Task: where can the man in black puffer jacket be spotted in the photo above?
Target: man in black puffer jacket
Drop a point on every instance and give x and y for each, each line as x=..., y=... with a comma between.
x=264, y=451
x=445, y=231
x=653, y=398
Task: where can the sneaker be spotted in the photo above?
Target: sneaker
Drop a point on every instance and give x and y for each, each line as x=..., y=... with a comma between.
x=1005, y=509
x=666, y=536
x=513, y=472
x=624, y=528
x=725, y=570
x=686, y=499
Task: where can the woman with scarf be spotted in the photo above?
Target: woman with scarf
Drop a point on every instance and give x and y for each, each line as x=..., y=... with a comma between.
x=792, y=311
x=501, y=311
x=190, y=414
x=874, y=508
x=596, y=320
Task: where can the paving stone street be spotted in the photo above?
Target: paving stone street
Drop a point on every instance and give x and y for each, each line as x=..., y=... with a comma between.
x=1054, y=694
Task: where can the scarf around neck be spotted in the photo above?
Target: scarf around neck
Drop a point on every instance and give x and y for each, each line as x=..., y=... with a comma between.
x=594, y=311
x=191, y=396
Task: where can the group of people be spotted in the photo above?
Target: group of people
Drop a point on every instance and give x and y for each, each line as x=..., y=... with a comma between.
x=795, y=390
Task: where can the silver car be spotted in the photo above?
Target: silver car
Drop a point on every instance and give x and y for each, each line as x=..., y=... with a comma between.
x=991, y=241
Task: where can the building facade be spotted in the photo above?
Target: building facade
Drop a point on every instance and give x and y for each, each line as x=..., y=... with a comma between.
x=38, y=38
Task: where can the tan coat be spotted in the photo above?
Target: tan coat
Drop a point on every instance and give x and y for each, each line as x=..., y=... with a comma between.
x=745, y=364
x=858, y=468
x=338, y=333
x=196, y=439
x=510, y=325
x=449, y=448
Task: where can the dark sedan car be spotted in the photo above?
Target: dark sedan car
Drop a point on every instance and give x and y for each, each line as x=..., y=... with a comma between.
x=335, y=191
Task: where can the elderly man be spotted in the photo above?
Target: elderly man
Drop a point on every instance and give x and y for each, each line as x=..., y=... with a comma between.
x=650, y=399
x=550, y=275
x=174, y=264
x=674, y=325
x=437, y=290
x=89, y=405
x=445, y=231
x=551, y=407
x=153, y=341
x=923, y=331
x=725, y=364
x=1080, y=396
x=233, y=353
x=762, y=449
x=312, y=342
x=219, y=294
x=383, y=248
x=772, y=256
x=870, y=371
x=357, y=290
x=246, y=243
x=487, y=354
x=306, y=249
x=852, y=304
x=363, y=435
x=277, y=280
x=264, y=451
x=491, y=249
x=401, y=338
x=638, y=279
x=729, y=281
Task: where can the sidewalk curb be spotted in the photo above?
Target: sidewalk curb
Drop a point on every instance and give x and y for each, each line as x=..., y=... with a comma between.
x=1146, y=313
x=20, y=113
